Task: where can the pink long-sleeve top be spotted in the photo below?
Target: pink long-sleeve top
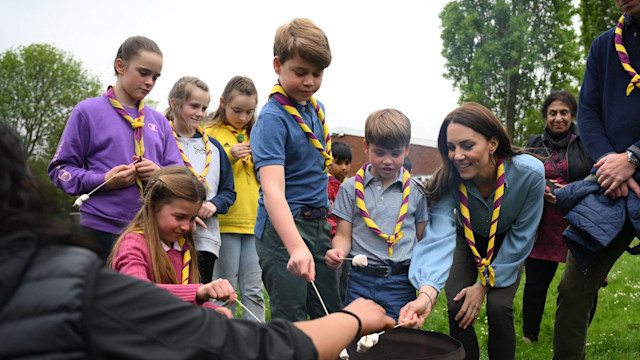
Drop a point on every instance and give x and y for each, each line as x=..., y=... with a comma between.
x=133, y=258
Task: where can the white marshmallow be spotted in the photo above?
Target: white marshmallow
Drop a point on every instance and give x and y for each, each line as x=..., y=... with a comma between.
x=367, y=342
x=344, y=355
x=80, y=200
x=359, y=260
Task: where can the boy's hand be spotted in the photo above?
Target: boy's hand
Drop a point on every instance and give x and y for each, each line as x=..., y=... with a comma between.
x=333, y=258
x=301, y=263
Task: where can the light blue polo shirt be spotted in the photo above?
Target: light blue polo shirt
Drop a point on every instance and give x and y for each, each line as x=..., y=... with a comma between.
x=277, y=139
x=383, y=206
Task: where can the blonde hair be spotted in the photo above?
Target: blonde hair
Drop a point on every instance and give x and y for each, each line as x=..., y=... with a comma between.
x=238, y=85
x=388, y=128
x=302, y=37
x=180, y=92
x=167, y=185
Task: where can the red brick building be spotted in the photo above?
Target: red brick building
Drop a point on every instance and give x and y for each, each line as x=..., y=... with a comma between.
x=423, y=153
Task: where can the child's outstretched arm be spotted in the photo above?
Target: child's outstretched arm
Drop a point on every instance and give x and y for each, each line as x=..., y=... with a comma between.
x=341, y=245
x=273, y=189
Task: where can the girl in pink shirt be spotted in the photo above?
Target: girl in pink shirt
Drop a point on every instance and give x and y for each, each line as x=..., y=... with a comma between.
x=158, y=245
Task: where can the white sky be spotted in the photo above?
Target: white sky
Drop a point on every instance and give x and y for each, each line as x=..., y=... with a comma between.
x=386, y=53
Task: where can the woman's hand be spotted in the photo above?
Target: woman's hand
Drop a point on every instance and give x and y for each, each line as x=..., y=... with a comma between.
x=473, y=298
x=417, y=311
x=239, y=151
x=373, y=316
x=219, y=289
x=224, y=311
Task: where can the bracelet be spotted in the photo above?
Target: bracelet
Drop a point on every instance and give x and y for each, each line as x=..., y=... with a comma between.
x=428, y=296
x=357, y=318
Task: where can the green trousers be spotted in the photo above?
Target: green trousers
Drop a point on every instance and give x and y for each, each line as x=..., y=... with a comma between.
x=292, y=297
x=576, y=292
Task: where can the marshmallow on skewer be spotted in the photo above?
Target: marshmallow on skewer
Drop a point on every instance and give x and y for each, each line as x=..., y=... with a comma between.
x=367, y=342
x=359, y=260
x=344, y=355
x=80, y=200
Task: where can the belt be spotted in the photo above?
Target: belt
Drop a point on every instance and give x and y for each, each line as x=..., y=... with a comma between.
x=383, y=270
x=314, y=213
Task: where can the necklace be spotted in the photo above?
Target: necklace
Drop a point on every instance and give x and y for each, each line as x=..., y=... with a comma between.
x=483, y=263
x=282, y=99
x=136, y=124
x=624, y=57
x=406, y=189
x=185, y=159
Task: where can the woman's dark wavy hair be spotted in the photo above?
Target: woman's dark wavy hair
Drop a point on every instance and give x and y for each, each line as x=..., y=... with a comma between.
x=479, y=119
x=23, y=204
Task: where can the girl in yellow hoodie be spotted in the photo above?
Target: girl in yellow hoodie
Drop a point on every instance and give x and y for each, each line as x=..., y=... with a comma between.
x=231, y=125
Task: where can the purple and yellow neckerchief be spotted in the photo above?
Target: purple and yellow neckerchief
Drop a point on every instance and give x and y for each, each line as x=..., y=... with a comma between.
x=137, y=124
x=186, y=257
x=624, y=57
x=483, y=263
x=406, y=189
x=185, y=159
x=241, y=136
x=281, y=97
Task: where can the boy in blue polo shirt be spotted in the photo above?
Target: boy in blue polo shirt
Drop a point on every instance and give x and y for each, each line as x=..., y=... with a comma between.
x=291, y=151
x=382, y=214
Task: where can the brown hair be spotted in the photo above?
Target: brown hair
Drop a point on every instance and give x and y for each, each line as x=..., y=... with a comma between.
x=180, y=92
x=168, y=184
x=389, y=128
x=241, y=85
x=131, y=47
x=479, y=119
x=302, y=37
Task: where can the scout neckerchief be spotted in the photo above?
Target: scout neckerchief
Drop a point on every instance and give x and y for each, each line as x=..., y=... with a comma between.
x=464, y=209
x=186, y=257
x=406, y=189
x=282, y=99
x=136, y=124
x=624, y=57
x=343, y=179
x=241, y=136
x=185, y=159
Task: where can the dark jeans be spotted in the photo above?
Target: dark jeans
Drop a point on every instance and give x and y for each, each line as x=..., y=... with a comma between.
x=292, y=297
x=206, y=260
x=104, y=239
x=499, y=303
x=575, y=297
x=391, y=292
x=539, y=273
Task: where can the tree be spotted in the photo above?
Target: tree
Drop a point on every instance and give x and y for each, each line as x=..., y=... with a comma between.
x=597, y=17
x=509, y=55
x=40, y=86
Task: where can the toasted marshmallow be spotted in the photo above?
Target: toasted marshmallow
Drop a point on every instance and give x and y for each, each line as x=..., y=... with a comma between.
x=359, y=260
x=367, y=342
x=80, y=200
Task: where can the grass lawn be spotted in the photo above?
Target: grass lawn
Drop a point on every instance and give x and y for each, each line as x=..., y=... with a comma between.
x=613, y=334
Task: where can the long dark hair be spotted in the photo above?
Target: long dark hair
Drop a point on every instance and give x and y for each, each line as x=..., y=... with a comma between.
x=23, y=204
x=479, y=119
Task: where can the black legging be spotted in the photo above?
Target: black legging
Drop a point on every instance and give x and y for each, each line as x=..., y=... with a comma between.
x=539, y=273
x=206, y=260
